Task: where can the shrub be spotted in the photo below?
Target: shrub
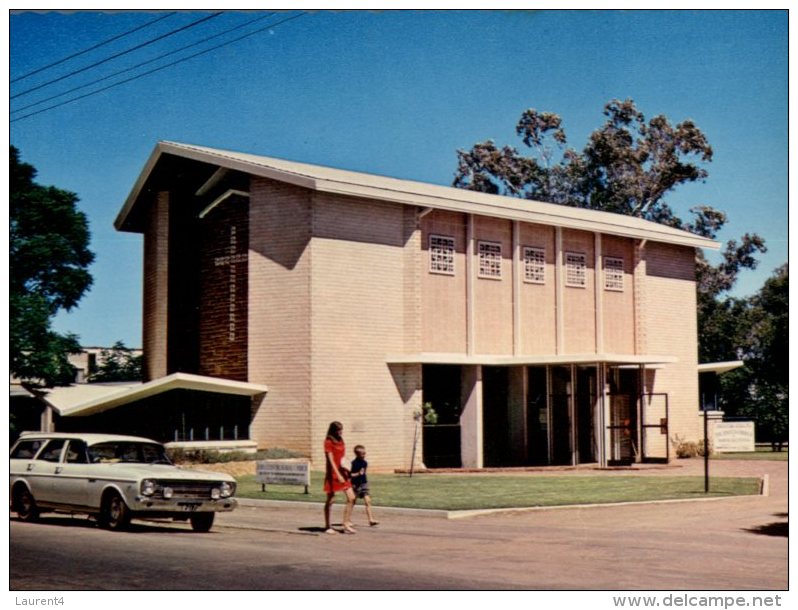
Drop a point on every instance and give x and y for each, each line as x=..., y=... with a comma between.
x=688, y=449
x=182, y=455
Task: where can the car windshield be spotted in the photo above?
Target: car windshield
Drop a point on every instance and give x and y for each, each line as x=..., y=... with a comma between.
x=128, y=452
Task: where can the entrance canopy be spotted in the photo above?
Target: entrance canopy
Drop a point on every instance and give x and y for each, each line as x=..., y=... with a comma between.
x=720, y=367
x=500, y=360
x=90, y=399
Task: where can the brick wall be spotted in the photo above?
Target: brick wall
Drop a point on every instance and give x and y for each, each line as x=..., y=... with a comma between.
x=619, y=306
x=538, y=301
x=279, y=312
x=224, y=288
x=154, y=309
x=579, y=317
x=672, y=329
x=493, y=306
x=358, y=312
x=443, y=297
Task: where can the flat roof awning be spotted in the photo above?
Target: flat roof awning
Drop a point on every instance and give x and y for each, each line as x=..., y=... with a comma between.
x=88, y=399
x=501, y=360
x=720, y=367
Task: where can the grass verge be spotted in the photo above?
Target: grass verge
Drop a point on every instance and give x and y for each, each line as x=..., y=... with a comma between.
x=472, y=492
x=760, y=454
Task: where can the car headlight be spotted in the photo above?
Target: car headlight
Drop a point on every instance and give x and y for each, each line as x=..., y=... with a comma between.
x=227, y=489
x=216, y=493
x=147, y=487
x=168, y=492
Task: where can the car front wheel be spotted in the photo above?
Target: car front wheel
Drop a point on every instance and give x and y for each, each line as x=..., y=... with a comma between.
x=202, y=522
x=115, y=513
x=25, y=505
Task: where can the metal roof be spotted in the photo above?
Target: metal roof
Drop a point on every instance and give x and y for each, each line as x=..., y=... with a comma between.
x=408, y=192
x=88, y=399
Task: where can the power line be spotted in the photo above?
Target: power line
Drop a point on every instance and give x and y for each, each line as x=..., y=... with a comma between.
x=144, y=63
x=174, y=63
x=92, y=48
x=125, y=52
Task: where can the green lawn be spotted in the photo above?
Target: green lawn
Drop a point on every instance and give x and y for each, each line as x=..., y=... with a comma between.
x=464, y=492
x=762, y=453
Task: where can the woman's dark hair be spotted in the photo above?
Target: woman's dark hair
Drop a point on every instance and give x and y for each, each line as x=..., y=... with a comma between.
x=334, y=431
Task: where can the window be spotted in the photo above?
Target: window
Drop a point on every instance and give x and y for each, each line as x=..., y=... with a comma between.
x=52, y=452
x=535, y=265
x=25, y=450
x=490, y=260
x=76, y=452
x=441, y=254
x=613, y=273
x=575, y=270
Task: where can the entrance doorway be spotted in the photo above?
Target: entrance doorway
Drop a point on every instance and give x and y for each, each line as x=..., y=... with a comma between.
x=441, y=397
x=624, y=440
x=586, y=414
x=537, y=416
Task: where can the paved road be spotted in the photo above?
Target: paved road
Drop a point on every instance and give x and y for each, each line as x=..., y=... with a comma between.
x=737, y=543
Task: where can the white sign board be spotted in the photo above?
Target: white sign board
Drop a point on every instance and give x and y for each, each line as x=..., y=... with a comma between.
x=283, y=472
x=733, y=436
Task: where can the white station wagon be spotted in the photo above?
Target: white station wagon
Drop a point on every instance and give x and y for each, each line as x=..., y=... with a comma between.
x=115, y=478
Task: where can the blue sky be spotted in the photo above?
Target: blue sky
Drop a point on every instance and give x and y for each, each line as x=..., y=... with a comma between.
x=394, y=93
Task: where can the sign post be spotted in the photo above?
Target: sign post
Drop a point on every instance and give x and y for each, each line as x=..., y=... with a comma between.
x=283, y=472
x=706, y=452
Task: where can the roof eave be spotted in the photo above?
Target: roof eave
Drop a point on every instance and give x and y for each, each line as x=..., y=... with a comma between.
x=408, y=193
x=175, y=381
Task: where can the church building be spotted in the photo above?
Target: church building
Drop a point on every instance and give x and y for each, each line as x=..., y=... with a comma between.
x=440, y=325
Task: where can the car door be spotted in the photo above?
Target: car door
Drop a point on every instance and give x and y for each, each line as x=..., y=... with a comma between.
x=43, y=472
x=21, y=461
x=72, y=474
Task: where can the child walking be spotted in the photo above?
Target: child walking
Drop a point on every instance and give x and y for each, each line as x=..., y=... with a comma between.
x=360, y=482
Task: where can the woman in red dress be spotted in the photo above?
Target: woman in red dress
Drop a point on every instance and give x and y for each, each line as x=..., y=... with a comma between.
x=335, y=478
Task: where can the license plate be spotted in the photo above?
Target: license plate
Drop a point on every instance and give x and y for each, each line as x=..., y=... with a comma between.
x=189, y=507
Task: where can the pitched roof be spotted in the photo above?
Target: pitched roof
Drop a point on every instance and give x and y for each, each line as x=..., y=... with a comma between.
x=408, y=192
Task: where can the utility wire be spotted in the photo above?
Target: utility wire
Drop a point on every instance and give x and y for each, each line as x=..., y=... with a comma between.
x=174, y=63
x=92, y=48
x=125, y=52
x=144, y=63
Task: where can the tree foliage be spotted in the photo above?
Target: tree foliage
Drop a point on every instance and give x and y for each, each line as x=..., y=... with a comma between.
x=628, y=166
x=119, y=363
x=759, y=331
x=49, y=258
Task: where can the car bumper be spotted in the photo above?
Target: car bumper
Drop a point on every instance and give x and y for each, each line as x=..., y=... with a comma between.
x=143, y=504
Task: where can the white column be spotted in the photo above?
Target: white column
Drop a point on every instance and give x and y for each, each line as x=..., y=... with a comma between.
x=471, y=435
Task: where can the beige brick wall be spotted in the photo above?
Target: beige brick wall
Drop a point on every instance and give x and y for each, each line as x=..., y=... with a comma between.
x=493, y=306
x=358, y=314
x=579, y=316
x=538, y=301
x=443, y=317
x=619, y=307
x=156, y=276
x=671, y=328
x=279, y=313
